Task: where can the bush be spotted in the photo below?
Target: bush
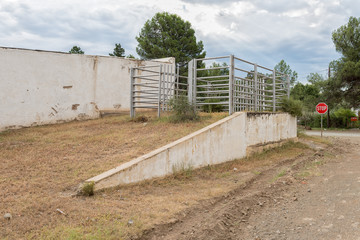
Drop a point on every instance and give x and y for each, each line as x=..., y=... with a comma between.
x=294, y=107
x=182, y=109
x=87, y=189
x=344, y=115
x=340, y=118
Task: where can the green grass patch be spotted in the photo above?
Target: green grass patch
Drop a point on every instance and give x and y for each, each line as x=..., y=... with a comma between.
x=279, y=175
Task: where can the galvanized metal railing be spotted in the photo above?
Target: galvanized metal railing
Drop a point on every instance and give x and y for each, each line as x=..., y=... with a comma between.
x=238, y=85
x=152, y=87
x=232, y=84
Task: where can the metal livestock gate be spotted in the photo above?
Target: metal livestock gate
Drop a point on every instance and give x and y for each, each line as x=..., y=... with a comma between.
x=236, y=85
x=231, y=83
x=153, y=86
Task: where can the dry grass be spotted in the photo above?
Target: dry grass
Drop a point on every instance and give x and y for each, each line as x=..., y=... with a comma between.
x=41, y=164
x=159, y=201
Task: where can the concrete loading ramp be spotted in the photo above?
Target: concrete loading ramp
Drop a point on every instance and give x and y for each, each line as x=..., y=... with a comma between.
x=230, y=138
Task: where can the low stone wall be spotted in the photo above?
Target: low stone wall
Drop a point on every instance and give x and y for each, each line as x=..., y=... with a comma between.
x=223, y=141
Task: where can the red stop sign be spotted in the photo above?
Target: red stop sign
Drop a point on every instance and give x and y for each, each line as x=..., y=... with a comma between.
x=321, y=108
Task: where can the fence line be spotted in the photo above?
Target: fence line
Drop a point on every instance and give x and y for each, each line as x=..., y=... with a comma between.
x=236, y=85
x=152, y=87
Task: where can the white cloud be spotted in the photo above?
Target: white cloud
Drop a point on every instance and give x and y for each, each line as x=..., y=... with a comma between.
x=296, y=13
x=265, y=32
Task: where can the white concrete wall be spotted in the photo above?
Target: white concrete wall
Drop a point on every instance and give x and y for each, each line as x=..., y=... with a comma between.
x=40, y=87
x=269, y=127
x=223, y=141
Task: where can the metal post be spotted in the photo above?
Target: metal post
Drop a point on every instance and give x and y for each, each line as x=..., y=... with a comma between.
x=194, y=83
x=262, y=95
x=132, y=108
x=163, y=87
x=274, y=91
x=177, y=86
x=231, y=85
x=288, y=86
x=321, y=125
x=159, y=97
x=255, y=87
x=190, y=81
x=172, y=82
x=167, y=87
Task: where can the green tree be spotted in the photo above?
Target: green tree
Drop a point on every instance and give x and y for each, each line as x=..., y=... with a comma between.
x=308, y=94
x=130, y=56
x=76, y=50
x=294, y=107
x=347, y=40
x=317, y=80
x=285, y=68
x=345, y=81
x=118, y=51
x=167, y=35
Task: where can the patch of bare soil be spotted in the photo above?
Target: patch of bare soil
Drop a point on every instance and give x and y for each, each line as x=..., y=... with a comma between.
x=280, y=202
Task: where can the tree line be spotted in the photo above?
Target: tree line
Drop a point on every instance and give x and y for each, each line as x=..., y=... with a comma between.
x=341, y=89
x=168, y=35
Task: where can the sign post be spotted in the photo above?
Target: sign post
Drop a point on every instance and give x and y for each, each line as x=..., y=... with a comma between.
x=322, y=108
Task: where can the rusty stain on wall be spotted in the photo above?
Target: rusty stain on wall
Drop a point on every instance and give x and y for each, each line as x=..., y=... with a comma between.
x=67, y=87
x=95, y=62
x=117, y=106
x=74, y=106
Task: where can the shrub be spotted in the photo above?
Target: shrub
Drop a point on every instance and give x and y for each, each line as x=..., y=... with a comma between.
x=87, y=189
x=339, y=118
x=344, y=115
x=294, y=107
x=182, y=109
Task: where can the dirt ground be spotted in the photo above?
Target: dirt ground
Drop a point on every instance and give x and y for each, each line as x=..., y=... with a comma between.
x=41, y=166
x=313, y=197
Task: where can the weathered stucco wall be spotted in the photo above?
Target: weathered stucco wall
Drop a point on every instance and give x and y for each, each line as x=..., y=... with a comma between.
x=263, y=127
x=223, y=141
x=40, y=87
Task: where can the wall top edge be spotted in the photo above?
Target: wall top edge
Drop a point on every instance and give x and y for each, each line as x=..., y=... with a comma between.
x=263, y=113
x=161, y=60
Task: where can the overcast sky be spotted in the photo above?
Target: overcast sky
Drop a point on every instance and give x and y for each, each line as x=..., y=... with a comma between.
x=260, y=31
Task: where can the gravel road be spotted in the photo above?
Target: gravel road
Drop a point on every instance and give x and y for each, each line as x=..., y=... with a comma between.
x=330, y=133
x=327, y=208
x=324, y=204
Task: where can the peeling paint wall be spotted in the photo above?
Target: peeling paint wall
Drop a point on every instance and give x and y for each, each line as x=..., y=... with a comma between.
x=264, y=127
x=40, y=87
